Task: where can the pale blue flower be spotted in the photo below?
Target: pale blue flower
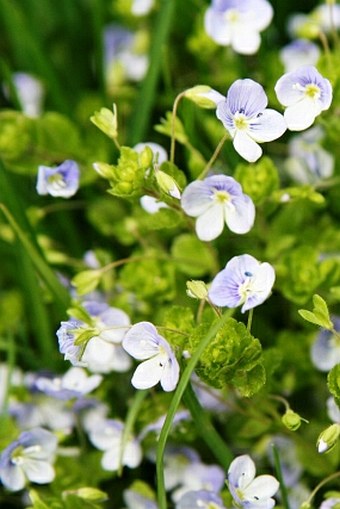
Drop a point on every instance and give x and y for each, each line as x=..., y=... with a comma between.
x=75, y=383
x=247, y=490
x=245, y=116
x=305, y=93
x=61, y=181
x=244, y=281
x=330, y=503
x=333, y=410
x=107, y=435
x=30, y=92
x=298, y=53
x=29, y=458
x=238, y=23
x=200, y=499
x=325, y=351
x=159, y=364
x=309, y=162
x=101, y=350
x=135, y=500
x=215, y=201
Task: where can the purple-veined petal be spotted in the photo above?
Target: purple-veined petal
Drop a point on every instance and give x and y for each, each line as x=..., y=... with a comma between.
x=240, y=215
x=246, y=146
x=209, y=225
x=261, y=286
x=196, y=198
x=142, y=341
x=269, y=126
x=148, y=373
x=241, y=471
x=246, y=96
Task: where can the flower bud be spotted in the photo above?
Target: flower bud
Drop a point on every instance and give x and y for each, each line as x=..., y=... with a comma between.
x=167, y=184
x=104, y=170
x=204, y=96
x=145, y=157
x=106, y=121
x=291, y=420
x=90, y=494
x=197, y=290
x=328, y=438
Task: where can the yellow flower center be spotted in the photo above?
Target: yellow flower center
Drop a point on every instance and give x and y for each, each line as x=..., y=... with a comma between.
x=232, y=15
x=56, y=180
x=312, y=91
x=240, y=121
x=222, y=196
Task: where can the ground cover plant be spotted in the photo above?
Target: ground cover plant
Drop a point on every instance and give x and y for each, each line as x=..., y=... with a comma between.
x=170, y=251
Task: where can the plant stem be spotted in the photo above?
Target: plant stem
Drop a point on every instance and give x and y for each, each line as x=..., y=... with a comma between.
x=173, y=123
x=214, y=156
x=174, y=404
x=284, y=494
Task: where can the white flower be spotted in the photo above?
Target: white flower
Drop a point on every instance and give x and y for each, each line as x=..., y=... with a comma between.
x=144, y=343
x=30, y=92
x=28, y=458
x=215, y=201
x=247, y=490
x=298, y=53
x=73, y=384
x=107, y=436
x=245, y=116
x=238, y=23
x=305, y=93
x=141, y=7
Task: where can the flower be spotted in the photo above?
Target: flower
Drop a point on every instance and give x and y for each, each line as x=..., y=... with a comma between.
x=96, y=346
x=107, y=436
x=305, y=93
x=73, y=384
x=144, y=343
x=333, y=410
x=217, y=200
x=246, y=489
x=200, y=499
x=244, y=281
x=298, y=53
x=62, y=181
x=28, y=458
x=141, y=7
x=30, y=92
x=238, y=23
x=245, y=116
x=325, y=351
x=309, y=162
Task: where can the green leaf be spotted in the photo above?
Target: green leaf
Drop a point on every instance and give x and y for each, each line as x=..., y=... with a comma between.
x=86, y=281
x=333, y=382
x=258, y=180
x=319, y=315
x=36, y=501
x=192, y=257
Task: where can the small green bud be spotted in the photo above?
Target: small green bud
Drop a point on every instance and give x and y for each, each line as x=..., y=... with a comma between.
x=291, y=420
x=86, y=281
x=328, y=438
x=90, y=494
x=305, y=505
x=197, y=290
x=167, y=184
x=104, y=170
x=106, y=121
x=145, y=158
x=204, y=96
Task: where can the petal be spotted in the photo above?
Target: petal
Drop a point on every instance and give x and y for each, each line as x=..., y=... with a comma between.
x=40, y=472
x=325, y=352
x=98, y=355
x=245, y=40
x=132, y=455
x=262, y=487
x=148, y=373
x=210, y=224
x=216, y=27
x=246, y=146
x=196, y=198
x=246, y=96
x=241, y=471
x=267, y=127
x=12, y=477
x=170, y=375
x=264, y=279
x=240, y=217
x=286, y=91
x=142, y=341
x=301, y=115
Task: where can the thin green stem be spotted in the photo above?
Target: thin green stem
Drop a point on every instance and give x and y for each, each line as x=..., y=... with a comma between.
x=250, y=319
x=320, y=485
x=205, y=428
x=132, y=414
x=278, y=469
x=214, y=156
x=175, y=402
x=173, y=124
